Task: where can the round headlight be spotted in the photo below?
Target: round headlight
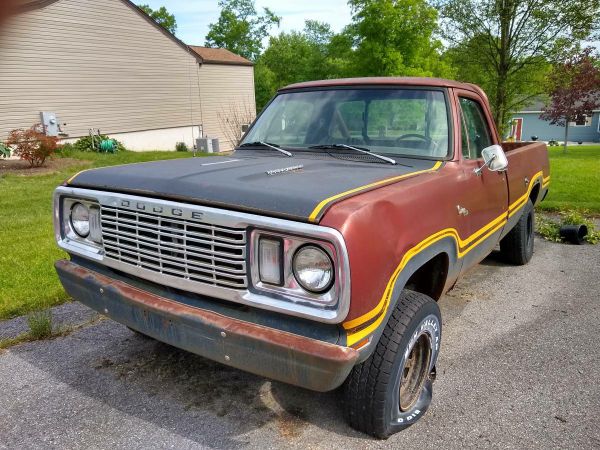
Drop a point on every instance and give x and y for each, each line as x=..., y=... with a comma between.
x=80, y=219
x=313, y=269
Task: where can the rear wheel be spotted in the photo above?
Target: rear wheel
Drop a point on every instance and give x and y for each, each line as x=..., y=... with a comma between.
x=392, y=389
x=517, y=246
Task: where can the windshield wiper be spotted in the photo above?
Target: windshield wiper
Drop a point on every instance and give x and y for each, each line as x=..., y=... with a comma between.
x=356, y=149
x=267, y=144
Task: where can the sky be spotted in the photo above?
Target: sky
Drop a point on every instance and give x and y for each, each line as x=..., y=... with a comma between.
x=194, y=16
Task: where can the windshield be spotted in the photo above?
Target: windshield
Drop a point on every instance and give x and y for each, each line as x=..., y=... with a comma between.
x=412, y=122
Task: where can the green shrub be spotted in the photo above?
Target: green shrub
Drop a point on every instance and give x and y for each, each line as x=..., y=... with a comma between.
x=32, y=145
x=85, y=144
x=550, y=229
x=181, y=147
x=40, y=324
x=4, y=151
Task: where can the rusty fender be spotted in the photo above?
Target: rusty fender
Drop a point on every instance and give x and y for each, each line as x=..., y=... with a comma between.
x=264, y=351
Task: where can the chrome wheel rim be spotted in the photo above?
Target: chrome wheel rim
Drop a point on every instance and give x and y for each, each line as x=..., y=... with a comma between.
x=414, y=373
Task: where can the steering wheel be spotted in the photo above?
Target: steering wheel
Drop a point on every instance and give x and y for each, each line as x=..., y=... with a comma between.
x=430, y=141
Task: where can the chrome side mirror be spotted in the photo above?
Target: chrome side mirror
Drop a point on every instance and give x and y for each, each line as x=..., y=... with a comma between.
x=494, y=159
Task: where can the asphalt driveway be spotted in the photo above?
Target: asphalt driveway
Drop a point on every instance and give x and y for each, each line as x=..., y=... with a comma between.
x=519, y=368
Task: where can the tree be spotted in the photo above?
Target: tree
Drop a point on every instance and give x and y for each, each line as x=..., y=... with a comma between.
x=471, y=65
x=574, y=91
x=293, y=57
x=162, y=17
x=509, y=39
x=395, y=37
x=240, y=28
x=341, y=53
x=296, y=56
x=234, y=117
x=265, y=85
x=318, y=33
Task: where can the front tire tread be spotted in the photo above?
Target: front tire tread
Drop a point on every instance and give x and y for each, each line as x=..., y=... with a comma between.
x=366, y=388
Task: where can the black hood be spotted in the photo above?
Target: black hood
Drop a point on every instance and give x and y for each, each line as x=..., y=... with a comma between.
x=299, y=188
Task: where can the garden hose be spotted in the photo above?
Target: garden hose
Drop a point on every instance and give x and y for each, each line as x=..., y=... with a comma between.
x=108, y=146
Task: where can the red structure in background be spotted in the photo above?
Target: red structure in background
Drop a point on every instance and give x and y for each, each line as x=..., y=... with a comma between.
x=516, y=129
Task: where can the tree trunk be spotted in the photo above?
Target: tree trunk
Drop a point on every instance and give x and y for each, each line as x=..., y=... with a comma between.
x=501, y=103
x=566, y=136
x=500, y=112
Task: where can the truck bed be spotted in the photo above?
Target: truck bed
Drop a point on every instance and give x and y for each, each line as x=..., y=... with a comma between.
x=526, y=161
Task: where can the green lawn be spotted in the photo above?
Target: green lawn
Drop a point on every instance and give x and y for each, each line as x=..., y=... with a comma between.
x=28, y=281
x=575, y=182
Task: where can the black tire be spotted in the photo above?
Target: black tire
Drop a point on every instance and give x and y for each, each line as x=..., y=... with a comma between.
x=517, y=246
x=372, y=394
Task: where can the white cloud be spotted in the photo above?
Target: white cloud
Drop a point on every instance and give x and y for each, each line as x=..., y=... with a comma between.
x=194, y=16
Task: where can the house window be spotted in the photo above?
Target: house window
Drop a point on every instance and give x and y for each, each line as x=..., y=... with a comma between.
x=582, y=120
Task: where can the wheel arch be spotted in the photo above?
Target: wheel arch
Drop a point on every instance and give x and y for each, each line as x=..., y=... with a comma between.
x=442, y=255
x=430, y=279
x=534, y=195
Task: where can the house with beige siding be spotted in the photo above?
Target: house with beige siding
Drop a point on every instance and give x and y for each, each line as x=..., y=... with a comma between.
x=106, y=65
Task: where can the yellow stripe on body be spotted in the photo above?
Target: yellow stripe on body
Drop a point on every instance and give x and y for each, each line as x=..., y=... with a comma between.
x=461, y=246
x=70, y=180
x=546, y=182
x=321, y=205
x=382, y=307
x=522, y=200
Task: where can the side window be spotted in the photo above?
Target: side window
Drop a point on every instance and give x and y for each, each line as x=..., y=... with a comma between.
x=475, y=130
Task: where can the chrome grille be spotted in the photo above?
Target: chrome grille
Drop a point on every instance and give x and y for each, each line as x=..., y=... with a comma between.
x=184, y=248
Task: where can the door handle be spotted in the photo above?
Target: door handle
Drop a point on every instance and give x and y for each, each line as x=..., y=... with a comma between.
x=462, y=211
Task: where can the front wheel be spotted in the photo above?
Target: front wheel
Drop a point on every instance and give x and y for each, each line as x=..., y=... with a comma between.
x=392, y=389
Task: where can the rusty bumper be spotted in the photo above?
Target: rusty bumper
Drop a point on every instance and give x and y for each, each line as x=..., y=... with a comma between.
x=264, y=351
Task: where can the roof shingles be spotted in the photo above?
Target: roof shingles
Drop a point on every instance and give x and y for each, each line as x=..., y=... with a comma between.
x=220, y=56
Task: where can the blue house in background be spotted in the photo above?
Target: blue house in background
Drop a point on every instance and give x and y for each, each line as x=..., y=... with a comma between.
x=527, y=123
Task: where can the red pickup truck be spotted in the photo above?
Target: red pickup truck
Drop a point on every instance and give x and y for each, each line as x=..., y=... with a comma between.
x=314, y=254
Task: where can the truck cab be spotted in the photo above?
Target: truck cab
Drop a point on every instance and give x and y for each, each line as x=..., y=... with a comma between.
x=316, y=252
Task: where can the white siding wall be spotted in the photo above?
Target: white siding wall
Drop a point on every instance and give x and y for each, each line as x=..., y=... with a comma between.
x=162, y=139
x=223, y=88
x=95, y=63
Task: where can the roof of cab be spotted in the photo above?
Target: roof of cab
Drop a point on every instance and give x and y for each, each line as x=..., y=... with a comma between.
x=385, y=81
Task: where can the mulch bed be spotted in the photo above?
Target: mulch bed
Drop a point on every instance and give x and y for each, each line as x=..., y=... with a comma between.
x=20, y=167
